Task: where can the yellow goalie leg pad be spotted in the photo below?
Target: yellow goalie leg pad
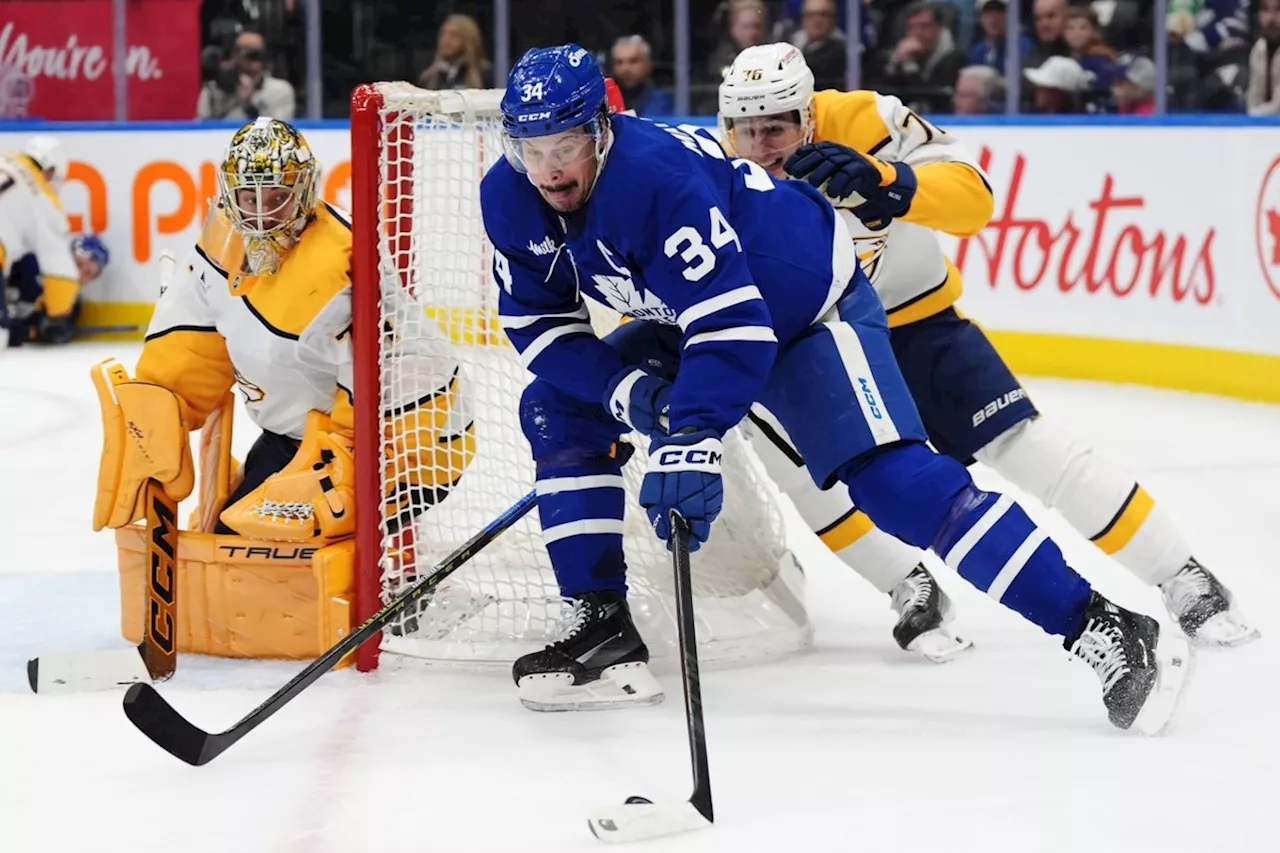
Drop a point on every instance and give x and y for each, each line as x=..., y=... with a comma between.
x=145, y=437
x=245, y=598
x=313, y=497
x=217, y=468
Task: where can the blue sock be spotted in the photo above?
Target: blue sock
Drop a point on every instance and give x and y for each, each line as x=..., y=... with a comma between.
x=992, y=543
x=581, y=507
x=931, y=502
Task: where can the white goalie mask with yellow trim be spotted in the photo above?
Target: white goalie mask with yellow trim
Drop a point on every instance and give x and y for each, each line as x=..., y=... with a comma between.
x=267, y=184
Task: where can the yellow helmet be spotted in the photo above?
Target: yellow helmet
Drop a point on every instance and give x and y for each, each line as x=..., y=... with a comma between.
x=267, y=184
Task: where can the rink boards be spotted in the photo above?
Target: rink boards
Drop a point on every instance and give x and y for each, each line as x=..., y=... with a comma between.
x=1117, y=251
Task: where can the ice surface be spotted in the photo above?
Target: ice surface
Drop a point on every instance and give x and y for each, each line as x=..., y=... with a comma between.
x=855, y=746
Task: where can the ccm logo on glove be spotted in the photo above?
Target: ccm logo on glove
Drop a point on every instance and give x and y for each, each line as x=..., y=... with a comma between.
x=689, y=457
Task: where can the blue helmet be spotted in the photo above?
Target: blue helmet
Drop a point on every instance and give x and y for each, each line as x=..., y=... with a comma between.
x=552, y=90
x=91, y=246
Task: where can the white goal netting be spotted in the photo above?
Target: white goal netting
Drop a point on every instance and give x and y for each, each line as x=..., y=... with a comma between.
x=437, y=296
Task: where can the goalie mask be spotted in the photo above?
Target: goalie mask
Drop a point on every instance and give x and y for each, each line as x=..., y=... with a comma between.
x=766, y=104
x=267, y=184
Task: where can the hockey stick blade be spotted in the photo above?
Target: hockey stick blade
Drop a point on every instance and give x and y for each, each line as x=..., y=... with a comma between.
x=640, y=819
x=156, y=718
x=77, y=672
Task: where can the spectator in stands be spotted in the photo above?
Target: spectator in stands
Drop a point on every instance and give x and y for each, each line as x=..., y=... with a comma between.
x=993, y=20
x=1050, y=22
x=631, y=64
x=1083, y=35
x=1208, y=53
x=245, y=89
x=822, y=43
x=460, y=61
x=1058, y=83
x=1126, y=24
x=960, y=19
x=1207, y=25
x=979, y=91
x=1134, y=86
x=922, y=67
x=748, y=22
x=1263, y=97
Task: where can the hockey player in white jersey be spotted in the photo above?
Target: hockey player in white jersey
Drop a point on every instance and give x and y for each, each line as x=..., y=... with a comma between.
x=896, y=179
x=263, y=302
x=32, y=222
x=29, y=319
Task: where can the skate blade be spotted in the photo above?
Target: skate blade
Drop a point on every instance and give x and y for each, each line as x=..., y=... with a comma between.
x=939, y=645
x=617, y=687
x=1225, y=630
x=1176, y=660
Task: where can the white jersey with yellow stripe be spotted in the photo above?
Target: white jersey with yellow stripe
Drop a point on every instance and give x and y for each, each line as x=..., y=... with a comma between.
x=32, y=220
x=905, y=261
x=283, y=338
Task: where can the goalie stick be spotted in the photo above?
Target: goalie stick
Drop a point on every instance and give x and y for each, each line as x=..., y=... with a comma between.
x=640, y=819
x=156, y=657
x=157, y=719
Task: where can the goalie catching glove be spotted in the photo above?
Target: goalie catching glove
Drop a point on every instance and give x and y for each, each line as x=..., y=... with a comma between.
x=145, y=437
x=684, y=475
x=313, y=497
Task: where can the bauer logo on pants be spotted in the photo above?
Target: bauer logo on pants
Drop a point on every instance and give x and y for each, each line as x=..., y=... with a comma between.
x=1001, y=402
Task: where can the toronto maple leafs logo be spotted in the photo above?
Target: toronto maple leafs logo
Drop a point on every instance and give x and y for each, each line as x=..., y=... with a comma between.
x=624, y=296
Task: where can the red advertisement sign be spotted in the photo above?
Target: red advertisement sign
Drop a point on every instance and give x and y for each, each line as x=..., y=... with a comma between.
x=57, y=59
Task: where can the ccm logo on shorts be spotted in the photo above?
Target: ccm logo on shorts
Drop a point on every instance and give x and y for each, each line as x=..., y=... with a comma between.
x=997, y=404
x=870, y=397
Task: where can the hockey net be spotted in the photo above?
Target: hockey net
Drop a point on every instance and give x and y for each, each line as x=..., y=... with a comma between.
x=423, y=294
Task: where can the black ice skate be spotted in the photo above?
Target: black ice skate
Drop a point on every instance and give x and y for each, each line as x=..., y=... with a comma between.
x=1205, y=609
x=1142, y=673
x=600, y=663
x=923, y=610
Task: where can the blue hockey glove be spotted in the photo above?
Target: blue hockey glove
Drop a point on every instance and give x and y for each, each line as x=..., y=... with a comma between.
x=684, y=475
x=639, y=400
x=889, y=187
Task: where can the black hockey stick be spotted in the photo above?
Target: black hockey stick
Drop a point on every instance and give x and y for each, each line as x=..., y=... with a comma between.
x=156, y=719
x=156, y=657
x=639, y=818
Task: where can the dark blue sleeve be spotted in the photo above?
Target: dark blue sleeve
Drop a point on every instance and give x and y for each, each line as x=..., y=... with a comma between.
x=694, y=261
x=540, y=307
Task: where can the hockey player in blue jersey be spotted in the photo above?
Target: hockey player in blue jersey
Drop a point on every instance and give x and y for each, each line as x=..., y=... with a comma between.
x=745, y=291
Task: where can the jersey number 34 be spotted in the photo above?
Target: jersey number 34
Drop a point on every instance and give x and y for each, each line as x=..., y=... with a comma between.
x=693, y=250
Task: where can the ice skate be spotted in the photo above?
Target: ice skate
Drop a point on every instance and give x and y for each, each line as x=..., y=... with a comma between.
x=923, y=612
x=1205, y=609
x=1143, y=674
x=601, y=663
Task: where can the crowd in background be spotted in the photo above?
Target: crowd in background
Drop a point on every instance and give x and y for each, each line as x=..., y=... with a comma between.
x=939, y=56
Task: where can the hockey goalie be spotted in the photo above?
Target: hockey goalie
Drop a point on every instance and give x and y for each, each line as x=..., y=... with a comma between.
x=263, y=304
